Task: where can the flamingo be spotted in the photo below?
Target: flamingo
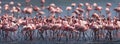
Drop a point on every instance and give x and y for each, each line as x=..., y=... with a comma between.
x=95, y=6
x=52, y=9
x=73, y=5
x=98, y=8
x=80, y=5
x=27, y=2
x=68, y=28
x=28, y=10
x=40, y=13
x=11, y=3
x=79, y=12
x=58, y=11
x=29, y=30
x=95, y=26
x=9, y=27
x=108, y=9
x=36, y=8
x=42, y=3
x=6, y=7
x=18, y=4
x=83, y=27
x=109, y=27
x=117, y=9
x=68, y=9
x=0, y=2
x=89, y=8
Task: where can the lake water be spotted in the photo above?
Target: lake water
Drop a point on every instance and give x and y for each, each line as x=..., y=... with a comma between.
x=63, y=4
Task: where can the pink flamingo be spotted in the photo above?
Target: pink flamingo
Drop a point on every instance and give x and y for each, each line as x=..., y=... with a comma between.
x=117, y=9
x=68, y=28
x=29, y=30
x=109, y=27
x=98, y=8
x=28, y=10
x=89, y=8
x=42, y=3
x=108, y=9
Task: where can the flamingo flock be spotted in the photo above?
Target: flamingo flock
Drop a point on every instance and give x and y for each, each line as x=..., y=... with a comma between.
x=18, y=23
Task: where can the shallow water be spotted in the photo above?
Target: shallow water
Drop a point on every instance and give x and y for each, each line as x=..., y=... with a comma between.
x=61, y=42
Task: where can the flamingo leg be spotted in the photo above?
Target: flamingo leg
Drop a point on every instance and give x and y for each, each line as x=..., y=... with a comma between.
x=6, y=34
x=110, y=35
x=67, y=37
x=78, y=35
x=95, y=35
x=83, y=35
x=30, y=34
x=54, y=32
x=41, y=34
x=116, y=33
